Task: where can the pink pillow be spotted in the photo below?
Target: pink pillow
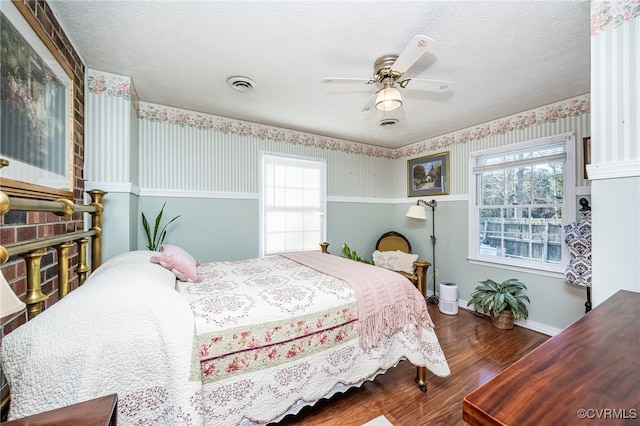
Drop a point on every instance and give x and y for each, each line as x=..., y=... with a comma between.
x=178, y=261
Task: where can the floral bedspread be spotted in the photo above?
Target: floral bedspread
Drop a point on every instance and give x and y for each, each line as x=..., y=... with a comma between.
x=272, y=333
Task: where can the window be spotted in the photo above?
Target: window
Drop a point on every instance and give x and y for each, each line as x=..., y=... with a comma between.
x=292, y=203
x=524, y=195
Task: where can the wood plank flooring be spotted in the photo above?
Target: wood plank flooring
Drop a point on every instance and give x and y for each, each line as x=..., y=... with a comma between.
x=476, y=351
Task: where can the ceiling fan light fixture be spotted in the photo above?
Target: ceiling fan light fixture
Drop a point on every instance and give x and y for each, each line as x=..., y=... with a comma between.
x=388, y=99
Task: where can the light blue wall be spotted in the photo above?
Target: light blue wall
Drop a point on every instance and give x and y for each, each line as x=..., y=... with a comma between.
x=119, y=223
x=616, y=245
x=359, y=225
x=227, y=229
x=554, y=304
x=209, y=228
x=214, y=229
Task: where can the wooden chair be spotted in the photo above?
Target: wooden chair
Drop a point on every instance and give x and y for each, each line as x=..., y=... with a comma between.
x=391, y=241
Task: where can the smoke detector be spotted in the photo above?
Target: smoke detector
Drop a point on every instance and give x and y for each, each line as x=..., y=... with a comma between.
x=388, y=122
x=241, y=84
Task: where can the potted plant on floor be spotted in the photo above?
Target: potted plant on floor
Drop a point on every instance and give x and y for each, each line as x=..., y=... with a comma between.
x=504, y=302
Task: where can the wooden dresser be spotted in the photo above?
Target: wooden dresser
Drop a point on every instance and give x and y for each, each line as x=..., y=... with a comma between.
x=587, y=374
x=101, y=411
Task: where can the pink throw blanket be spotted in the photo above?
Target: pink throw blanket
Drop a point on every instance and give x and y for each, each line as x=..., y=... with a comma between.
x=387, y=301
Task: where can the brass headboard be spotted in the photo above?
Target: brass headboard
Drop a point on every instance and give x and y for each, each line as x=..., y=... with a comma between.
x=32, y=251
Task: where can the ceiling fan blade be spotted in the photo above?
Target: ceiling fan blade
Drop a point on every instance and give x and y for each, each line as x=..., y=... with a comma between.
x=428, y=85
x=371, y=103
x=414, y=50
x=346, y=80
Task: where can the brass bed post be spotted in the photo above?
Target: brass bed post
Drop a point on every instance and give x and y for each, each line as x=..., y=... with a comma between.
x=96, y=225
x=83, y=268
x=34, y=297
x=63, y=268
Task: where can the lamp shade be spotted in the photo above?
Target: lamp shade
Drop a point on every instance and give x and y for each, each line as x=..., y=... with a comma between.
x=9, y=302
x=417, y=212
x=388, y=99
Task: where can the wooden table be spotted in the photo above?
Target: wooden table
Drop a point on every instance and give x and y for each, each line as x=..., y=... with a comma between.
x=587, y=374
x=101, y=411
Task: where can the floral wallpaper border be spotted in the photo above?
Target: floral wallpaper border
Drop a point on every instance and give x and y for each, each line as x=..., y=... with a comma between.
x=100, y=83
x=569, y=108
x=573, y=107
x=612, y=13
x=117, y=86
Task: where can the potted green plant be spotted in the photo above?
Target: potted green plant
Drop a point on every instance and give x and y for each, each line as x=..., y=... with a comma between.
x=155, y=239
x=504, y=302
x=351, y=254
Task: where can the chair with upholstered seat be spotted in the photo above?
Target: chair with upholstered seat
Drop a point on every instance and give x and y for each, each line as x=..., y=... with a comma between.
x=394, y=241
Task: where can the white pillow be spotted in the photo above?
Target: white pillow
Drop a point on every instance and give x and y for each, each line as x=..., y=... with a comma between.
x=395, y=260
x=135, y=256
x=405, y=262
x=384, y=259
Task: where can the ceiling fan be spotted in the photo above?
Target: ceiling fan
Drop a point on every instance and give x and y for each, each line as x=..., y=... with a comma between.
x=387, y=75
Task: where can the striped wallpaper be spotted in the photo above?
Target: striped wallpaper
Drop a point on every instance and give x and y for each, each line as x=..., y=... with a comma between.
x=615, y=67
x=182, y=152
x=459, y=153
x=108, y=126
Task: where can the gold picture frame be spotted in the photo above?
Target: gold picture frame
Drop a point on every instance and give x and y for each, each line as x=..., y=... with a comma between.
x=428, y=175
x=37, y=108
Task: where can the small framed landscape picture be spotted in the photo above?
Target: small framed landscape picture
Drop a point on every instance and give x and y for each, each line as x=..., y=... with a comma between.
x=428, y=175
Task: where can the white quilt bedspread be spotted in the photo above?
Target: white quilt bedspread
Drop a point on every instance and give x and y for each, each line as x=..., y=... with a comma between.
x=272, y=333
x=257, y=339
x=121, y=332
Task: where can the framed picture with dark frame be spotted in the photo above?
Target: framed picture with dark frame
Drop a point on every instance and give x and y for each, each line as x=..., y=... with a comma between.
x=37, y=108
x=586, y=154
x=428, y=175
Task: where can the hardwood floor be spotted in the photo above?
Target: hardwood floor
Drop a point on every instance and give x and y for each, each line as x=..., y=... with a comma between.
x=476, y=351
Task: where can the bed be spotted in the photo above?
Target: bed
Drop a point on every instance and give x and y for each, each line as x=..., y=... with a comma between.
x=246, y=342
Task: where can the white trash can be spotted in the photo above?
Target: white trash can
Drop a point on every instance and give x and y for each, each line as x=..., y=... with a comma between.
x=448, y=298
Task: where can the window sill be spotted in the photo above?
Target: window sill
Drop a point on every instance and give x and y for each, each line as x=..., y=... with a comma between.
x=557, y=272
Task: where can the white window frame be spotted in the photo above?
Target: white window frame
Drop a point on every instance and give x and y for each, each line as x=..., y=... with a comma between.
x=318, y=163
x=568, y=208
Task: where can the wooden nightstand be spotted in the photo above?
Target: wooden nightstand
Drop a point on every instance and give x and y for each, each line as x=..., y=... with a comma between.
x=101, y=411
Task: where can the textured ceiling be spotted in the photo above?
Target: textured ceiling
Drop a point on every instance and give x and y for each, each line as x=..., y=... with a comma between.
x=503, y=57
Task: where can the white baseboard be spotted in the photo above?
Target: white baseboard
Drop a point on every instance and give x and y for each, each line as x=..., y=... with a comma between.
x=531, y=325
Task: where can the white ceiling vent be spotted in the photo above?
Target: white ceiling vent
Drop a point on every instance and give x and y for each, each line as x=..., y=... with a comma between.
x=388, y=122
x=241, y=84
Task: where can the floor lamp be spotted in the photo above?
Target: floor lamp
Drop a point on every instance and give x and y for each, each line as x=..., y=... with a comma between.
x=418, y=212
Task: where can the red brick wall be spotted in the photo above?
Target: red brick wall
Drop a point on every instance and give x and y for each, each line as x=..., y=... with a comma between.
x=22, y=226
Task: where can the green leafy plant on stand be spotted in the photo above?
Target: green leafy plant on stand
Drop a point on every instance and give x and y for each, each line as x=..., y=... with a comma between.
x=155, y=240
x=351, y=254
